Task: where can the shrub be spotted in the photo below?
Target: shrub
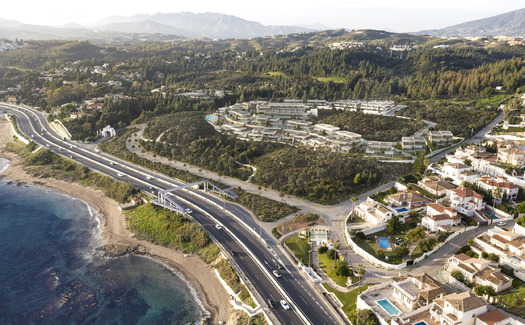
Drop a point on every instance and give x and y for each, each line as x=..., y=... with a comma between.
x=484, y=290
x=412, y=224
x=401, y=251
x=323, y=249
x=343, y=270
x=494, y=257
x=457, y=275
x=332, y=254
x=463, y=249
x=484, y=254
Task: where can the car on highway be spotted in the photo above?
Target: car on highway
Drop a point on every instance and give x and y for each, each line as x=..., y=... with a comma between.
x=111, y=163
x=120, y=174
x=272, y=304
x=285, y=304
x=279, y=266
x=188, y=211
x=218, y=226
x=233, y=253
x=276, y=273
x=149, y=177
x=501, y=223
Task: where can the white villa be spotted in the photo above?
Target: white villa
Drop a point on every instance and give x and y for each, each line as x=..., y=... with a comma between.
x=508, y=189
x=458, y=308
x=480, y=272
x=439, y=216
x=373, y=212
x=413, y=144
x=466, y=201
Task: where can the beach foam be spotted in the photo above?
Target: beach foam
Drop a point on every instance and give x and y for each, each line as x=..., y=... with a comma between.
x=4, y=165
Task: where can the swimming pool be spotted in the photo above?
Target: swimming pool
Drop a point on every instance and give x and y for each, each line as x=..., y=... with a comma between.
x=384, y=242
x=421, y=323
x=401, y=210
x=491, y=215
x=388, y=307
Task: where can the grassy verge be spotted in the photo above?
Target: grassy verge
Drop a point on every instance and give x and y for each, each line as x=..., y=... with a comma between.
x=300, y=248
x=327, y=265
x=276, y=233
x=45, y=163
x=241, y=317
x=348, y=299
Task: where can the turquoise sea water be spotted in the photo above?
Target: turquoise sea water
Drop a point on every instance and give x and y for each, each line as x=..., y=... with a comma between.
x=52, y=273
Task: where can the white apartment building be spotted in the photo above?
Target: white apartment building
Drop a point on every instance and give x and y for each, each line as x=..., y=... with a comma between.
x=466, y=201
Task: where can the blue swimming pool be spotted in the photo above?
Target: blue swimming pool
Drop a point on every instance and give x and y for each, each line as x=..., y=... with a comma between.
x=491, y=215
x=384, y=243
x=210, y=117
x=388, y=307
x=401, y=210
x=421, y=323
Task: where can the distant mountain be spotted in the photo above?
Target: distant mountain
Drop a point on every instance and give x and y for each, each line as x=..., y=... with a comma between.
x=211, y=25
x=149, y=27
x=507, y=24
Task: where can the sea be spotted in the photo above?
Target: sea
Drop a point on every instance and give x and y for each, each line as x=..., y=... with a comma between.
x=52, y=273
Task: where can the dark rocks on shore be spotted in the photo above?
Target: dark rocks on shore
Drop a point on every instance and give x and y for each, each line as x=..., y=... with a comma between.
x=116, y=250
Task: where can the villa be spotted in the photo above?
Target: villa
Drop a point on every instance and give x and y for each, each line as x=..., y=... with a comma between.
x=466, y=201
x=458, y=308
x=373, y=212
x=379, y=149
x=435, y=186
x=511, y=156
x=480, y=272
x=409, y=199
x=438, y=217
x=508, y=190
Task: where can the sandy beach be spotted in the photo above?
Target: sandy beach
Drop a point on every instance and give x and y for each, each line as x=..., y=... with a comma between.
x=115, y=232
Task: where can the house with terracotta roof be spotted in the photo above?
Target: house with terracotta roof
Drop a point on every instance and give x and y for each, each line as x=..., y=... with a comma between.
x=466, y=200
x=438, y=217
x=511, y=156
x=508, y=190
x=417, y=290
x=409, y=199
x=496, y=317
x=458, y=308
x=479, y=271
x=436, y=186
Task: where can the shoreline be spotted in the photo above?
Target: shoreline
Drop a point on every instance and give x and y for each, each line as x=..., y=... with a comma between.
x=115, y=232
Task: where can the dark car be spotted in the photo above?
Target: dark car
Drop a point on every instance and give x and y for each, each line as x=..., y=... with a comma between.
x=279, y=266
x=233, y=253
x=272, y=304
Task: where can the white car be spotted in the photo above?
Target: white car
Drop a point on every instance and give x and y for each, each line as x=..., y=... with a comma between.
x=218, y=226
x=285, y=304
x=501, y=223
x=188, y=211
x=120, y=174
x=276, y=273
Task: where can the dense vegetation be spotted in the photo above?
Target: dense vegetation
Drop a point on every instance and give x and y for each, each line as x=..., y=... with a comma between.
x=371, y=127
x=323, y=177
x=265, y=209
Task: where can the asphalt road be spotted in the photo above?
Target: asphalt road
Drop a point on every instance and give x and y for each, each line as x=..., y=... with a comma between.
x=253, y=257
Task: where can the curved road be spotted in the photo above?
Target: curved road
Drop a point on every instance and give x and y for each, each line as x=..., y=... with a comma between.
x=255, y=257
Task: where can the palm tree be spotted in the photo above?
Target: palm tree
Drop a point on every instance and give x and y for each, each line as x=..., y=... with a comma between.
x=496, y=194
x=354, y=198
x=360, y=273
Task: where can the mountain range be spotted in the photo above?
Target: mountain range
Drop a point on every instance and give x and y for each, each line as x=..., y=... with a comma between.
x=177, y=26
x=508, y=24
x=208, y=24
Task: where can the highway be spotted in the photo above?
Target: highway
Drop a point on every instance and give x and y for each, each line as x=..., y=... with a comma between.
x=255, y=257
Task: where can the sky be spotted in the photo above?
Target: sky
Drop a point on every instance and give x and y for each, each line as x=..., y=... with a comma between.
x=396, y=16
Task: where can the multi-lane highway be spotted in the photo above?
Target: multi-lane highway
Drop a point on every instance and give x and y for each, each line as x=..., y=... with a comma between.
x=257, y=258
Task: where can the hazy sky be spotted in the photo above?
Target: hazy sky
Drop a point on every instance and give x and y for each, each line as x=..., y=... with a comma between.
x=398, y=16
